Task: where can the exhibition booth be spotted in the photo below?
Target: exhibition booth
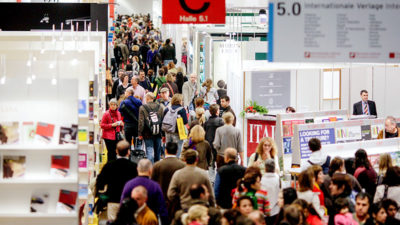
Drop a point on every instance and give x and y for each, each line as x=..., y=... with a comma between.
x=52, y=88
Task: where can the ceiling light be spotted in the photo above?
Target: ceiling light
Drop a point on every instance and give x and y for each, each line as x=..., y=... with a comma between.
x=3, y=80
x=33, y=77
x=54, y=81
x=29, y=63
x=51, y=66
x=34, y=58
x=28, y=80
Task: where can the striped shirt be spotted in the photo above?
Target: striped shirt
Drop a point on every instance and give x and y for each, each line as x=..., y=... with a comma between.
x=262, y=200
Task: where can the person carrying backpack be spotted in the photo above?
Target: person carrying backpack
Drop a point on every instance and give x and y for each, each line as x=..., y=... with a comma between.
x=169, y=125
x=150, y=119
x=317, y=157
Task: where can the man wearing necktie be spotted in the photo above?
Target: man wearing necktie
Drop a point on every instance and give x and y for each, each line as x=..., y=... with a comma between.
x=365, y=106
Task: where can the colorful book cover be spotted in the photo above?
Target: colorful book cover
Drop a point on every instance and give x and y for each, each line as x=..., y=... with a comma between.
x=28, y=132
x=68, y=134
x=44, y=132
x=66, y=201
x=59, y=165
x=14, y=166
x=91, y=137
x=9, y=132
x=91, y=112
x=83, y=135
x=83, y=191
x=288, y=127
x=83, y=160
x=82, y=107
x=40, y=202
x=91, y=88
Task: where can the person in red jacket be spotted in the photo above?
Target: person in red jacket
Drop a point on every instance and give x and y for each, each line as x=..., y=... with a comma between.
x=111, y=123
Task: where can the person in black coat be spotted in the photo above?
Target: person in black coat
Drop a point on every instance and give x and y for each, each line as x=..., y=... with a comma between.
x=365, y=106
x=226, y=179
x=211, y=125
x=116, y=173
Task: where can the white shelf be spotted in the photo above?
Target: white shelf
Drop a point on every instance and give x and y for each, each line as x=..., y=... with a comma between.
x=55, y=181
x=83, y=170
x=37, y=215
x=26, y=147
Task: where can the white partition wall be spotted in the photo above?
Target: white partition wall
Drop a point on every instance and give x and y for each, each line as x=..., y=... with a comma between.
x=38, y=102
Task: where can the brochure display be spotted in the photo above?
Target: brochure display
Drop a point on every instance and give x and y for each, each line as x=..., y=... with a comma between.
x=38, y=173
x=285, y=124
x=332, y=133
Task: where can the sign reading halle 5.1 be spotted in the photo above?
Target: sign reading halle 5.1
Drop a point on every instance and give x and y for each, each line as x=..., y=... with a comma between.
x=193, y=11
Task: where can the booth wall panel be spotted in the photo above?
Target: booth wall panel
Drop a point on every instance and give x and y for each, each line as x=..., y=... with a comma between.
x=308, y=89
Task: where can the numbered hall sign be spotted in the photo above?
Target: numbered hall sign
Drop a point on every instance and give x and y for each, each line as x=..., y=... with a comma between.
x=193, y=11
x=334, y=31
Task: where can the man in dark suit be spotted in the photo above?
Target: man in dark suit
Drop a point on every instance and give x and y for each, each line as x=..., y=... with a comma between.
x=115, y=174
x=163, y=171
x=226, y=179
x=365, y=106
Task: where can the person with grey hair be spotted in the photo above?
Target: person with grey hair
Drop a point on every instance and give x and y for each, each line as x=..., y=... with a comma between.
x=143, y=215
x=155, y=201
x=221, y=91
x=391, y=129
x=150, y=118
x=129, y=109
x=271, y=183
x=111, y=123
x=138, y=91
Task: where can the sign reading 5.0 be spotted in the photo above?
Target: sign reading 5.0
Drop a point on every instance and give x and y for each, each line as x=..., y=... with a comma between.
x=288, y=8
x=193, y=11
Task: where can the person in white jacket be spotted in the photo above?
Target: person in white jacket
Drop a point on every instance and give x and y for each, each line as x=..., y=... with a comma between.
x=306, y=183
x=317, y=157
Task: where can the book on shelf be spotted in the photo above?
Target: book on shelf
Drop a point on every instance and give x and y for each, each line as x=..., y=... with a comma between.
x=40, y=201
x=91, y=137
x=68, y=134
x=82, y=107
x=28, y=132
x=83, y=190
x=44, y=132
x=9, y=132
x=83, y=135
x=14, y=166
x=66, y=201
x=91, y=112
x=91, y=88
x=60, y=165
x=83, y=160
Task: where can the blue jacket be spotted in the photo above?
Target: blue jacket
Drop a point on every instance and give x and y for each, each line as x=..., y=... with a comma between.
x=155, y=201
x=133, y=104
x=150, y=56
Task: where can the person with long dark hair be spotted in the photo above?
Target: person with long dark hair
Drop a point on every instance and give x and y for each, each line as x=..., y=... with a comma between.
x=390, y=187
x=364, y=172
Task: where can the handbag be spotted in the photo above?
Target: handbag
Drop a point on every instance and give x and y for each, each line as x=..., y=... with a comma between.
x=119, y=136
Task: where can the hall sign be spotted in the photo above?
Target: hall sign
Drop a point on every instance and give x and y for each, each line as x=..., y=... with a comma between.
x=257, y=130
x=334, y=31
x=193, y=11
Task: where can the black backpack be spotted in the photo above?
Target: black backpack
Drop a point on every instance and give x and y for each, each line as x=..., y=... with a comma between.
x=153, y=121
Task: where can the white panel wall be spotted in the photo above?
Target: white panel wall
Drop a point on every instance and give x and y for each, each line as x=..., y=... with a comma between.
x=127, y=7
x=308, y=89
x=385, y=85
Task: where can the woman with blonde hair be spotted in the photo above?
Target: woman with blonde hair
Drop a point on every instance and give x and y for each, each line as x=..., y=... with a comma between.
x=209, y=93
x=171, y=68
x=198, y=143
x=200, y=116
x=385, y=162
x=197, y=215
x=170, y=84
x=266, y=149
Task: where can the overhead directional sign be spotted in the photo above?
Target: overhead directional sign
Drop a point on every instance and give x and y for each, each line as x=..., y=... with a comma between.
x=193, y=11
x=334, y=31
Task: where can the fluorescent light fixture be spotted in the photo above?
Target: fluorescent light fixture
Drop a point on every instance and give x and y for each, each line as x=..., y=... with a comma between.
x=29, y=63
x=28, y=80
x=41, y=51
x=34, y=58
x=51, y=66
x=33, y=77
x=54, y=81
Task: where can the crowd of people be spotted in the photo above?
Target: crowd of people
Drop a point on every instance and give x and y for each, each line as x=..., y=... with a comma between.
x=187, y=129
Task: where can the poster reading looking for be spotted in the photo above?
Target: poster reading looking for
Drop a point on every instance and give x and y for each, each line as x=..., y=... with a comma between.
x=326, y=136
x=256, y=130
